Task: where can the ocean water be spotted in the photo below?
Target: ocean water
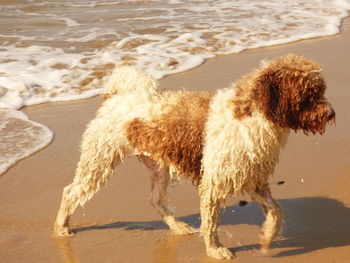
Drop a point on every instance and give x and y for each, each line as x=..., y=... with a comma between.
x=64, y=50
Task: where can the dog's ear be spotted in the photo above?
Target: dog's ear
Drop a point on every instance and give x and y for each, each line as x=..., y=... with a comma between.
x=274, y=98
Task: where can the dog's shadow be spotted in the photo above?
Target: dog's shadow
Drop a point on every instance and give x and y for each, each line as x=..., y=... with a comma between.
x=310, y=224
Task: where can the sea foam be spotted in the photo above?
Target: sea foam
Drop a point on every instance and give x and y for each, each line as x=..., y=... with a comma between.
x=20, y=137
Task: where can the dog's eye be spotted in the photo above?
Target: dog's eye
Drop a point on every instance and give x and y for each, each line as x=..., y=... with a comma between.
x=305, y=103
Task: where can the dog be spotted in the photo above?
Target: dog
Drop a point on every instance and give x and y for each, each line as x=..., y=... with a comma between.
x=226, y=142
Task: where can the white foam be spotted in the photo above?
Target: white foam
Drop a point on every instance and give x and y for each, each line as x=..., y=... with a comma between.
x=20, y=137
x=69, y=22
x=89, y=37
x=41, y=74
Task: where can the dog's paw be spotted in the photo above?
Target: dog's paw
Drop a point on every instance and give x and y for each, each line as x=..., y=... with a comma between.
x=220, y=253
x=181, y=228
x=264, y=246
x=264, y=243
x=64, y=231
x=264, y=250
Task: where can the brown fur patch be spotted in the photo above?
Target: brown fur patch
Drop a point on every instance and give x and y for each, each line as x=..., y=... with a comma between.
x=176, y=136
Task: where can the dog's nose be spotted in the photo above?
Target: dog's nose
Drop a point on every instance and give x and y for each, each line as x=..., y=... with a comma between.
x=330, y=115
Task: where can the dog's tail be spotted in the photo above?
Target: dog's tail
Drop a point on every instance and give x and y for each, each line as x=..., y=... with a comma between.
x=128, y=79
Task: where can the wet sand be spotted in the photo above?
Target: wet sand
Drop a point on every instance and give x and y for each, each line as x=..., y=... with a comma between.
x=119, y=225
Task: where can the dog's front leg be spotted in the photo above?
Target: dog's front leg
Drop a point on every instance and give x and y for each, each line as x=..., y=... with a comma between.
x=210, y=216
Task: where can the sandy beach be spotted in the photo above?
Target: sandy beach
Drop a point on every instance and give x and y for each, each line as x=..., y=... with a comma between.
x=119, y=224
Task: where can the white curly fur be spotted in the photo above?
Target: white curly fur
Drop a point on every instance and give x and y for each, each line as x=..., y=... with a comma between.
x=249, y=151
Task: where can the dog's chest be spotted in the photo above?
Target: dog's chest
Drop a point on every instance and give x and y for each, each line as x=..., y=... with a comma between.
x=240, y=153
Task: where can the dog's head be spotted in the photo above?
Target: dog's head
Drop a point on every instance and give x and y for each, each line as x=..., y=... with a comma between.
x=290, y=92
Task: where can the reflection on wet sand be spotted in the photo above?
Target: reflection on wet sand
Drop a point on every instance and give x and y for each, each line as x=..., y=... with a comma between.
x=65, y=248
x=167, y=251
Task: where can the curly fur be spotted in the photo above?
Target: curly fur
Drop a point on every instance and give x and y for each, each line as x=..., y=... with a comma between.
x=227, y=142
x=172, y=138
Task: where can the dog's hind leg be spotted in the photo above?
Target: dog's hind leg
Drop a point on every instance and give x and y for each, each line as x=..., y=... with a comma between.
x=159, y=198
x=70, y=201
x=100, y=153
x=273, y=214
x=210, y=216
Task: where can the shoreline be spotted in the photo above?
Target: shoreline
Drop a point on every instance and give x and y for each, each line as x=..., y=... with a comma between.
x=117, y=225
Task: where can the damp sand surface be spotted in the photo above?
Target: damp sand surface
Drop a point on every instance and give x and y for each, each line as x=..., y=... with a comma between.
x=119, y=225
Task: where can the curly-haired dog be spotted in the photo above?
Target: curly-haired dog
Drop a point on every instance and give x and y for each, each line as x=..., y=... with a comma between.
x=227, y=142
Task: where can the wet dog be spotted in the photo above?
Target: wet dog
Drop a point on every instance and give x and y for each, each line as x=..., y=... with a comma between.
x=226, y=142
